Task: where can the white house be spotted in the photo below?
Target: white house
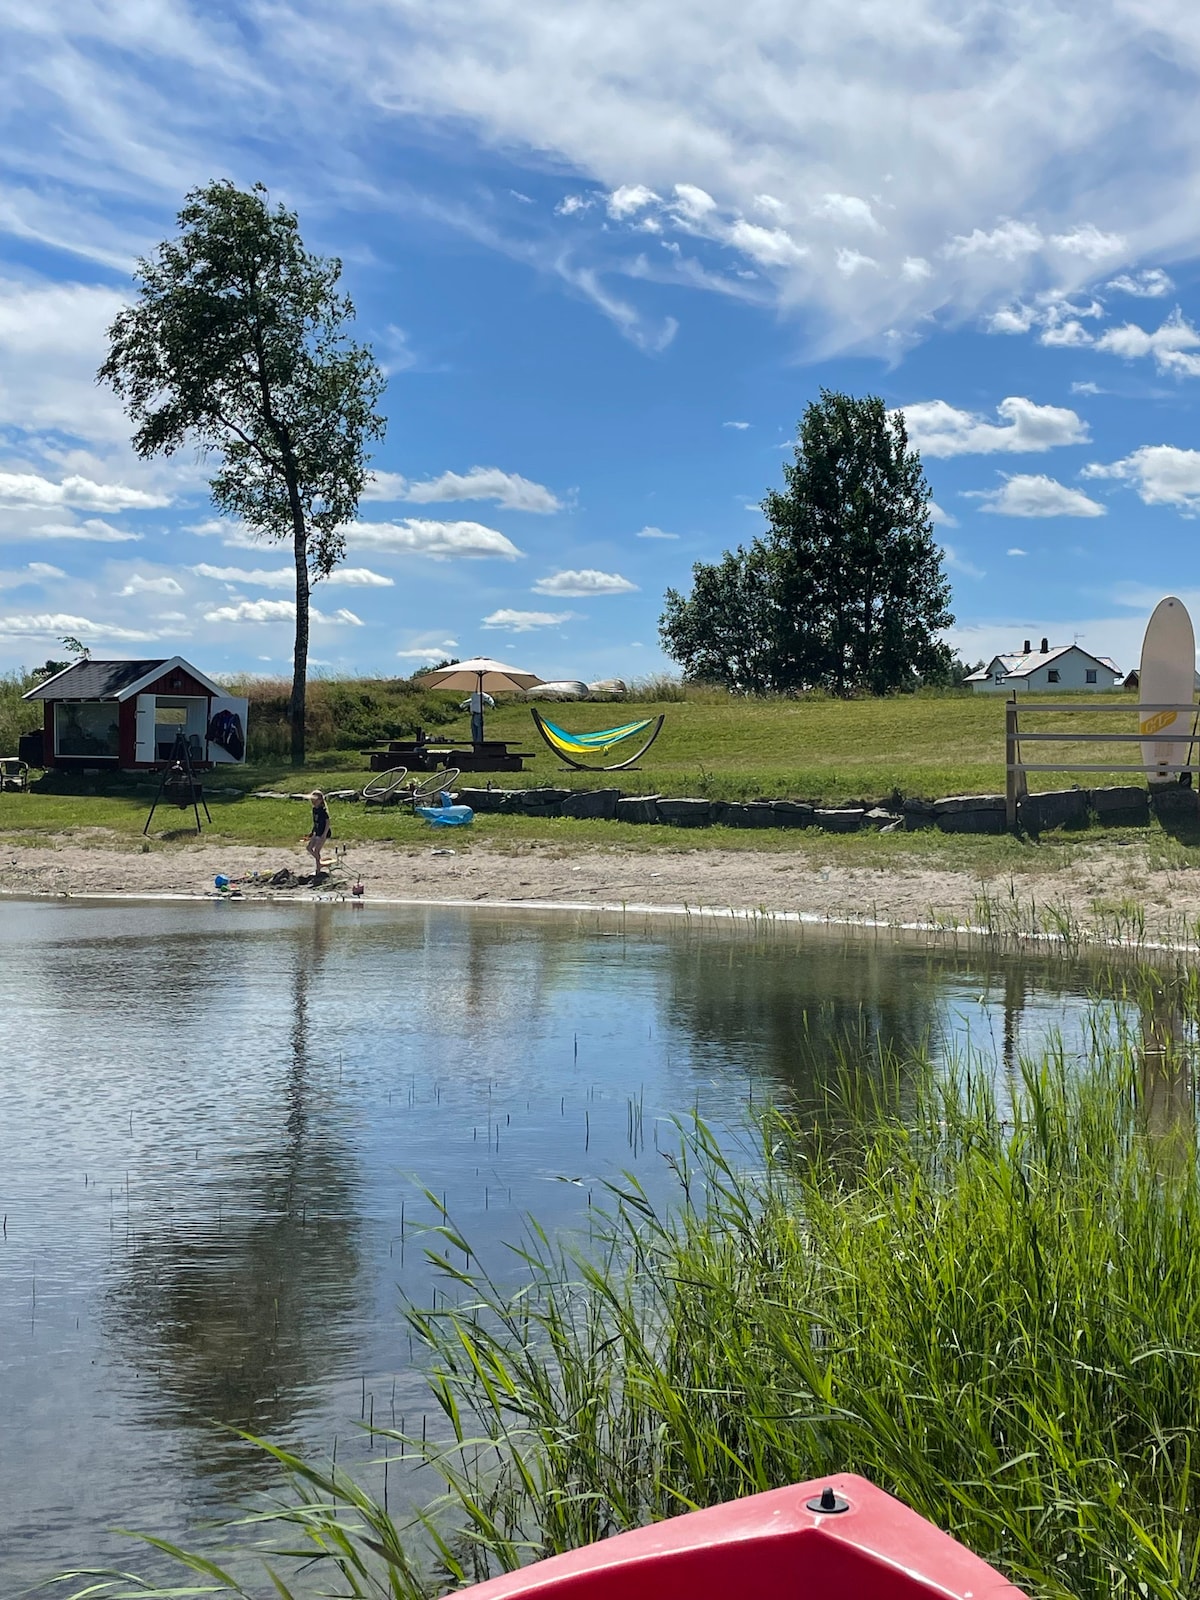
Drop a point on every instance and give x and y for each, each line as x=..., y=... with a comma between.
x=1067, y=666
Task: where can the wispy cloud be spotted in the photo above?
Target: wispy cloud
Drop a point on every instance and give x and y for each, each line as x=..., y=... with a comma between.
x=651, y=532
x=586, y=581
x=525, y=621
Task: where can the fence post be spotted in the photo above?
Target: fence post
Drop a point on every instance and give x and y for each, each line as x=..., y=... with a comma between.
x=1010, y=763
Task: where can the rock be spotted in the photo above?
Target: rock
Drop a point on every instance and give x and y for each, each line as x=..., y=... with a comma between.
x=483, y=799
x=637, y=808
x=792, y=814
x=839, y=819
x=1053, y=808
x=751, y=814
x=591, y=803
x=918, y=814
x=686, y=813
x=970, y=813
x=1170, y=803
x=1122, y=805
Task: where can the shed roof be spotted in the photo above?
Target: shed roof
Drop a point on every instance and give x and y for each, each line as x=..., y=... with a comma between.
x=111, y=680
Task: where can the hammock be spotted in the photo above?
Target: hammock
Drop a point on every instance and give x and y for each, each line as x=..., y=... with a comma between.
x=570, y=745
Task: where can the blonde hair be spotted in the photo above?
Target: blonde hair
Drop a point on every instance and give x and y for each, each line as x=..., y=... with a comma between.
x=317, y=794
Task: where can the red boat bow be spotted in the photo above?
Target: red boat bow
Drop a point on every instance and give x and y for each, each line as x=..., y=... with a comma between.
x=782, y=1545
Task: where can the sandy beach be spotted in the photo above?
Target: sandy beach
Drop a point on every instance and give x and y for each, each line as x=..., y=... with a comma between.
x=1096, y=890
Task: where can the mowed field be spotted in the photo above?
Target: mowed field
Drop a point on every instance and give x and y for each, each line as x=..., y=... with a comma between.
x=712, y=745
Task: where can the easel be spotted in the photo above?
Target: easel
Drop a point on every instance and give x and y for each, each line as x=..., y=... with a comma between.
x=178, y=784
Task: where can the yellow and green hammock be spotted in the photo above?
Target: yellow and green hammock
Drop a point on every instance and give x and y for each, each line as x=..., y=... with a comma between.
x=569, y=746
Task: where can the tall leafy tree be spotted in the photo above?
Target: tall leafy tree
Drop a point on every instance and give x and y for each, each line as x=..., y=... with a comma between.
x=238, y=343
x=848, y=591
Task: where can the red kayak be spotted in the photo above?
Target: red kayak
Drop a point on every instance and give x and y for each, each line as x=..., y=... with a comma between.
x=838, y=1537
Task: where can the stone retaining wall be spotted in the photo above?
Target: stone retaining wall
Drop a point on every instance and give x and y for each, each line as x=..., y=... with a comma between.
x=959, y=813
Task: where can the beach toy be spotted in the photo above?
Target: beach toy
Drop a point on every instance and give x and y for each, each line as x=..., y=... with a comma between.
x=447, y=816
x=221, y=881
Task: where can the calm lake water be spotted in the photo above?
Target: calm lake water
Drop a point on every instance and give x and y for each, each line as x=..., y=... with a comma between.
x=217, y=1122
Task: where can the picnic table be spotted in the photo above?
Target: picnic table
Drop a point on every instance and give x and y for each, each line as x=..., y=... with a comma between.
x=427, y=755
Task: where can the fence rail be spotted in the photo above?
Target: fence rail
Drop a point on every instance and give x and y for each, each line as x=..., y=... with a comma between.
x=1015, y=787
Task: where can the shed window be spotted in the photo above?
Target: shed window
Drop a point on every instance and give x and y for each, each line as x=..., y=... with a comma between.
x=1052, y=675
x=86, y=728
x=1091, y=674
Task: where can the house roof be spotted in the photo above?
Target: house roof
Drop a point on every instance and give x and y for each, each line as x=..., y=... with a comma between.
x=1021, y=665
x=111, y=680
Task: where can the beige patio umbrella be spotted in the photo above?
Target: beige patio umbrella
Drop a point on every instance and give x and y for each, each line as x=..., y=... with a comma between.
x=482, y=675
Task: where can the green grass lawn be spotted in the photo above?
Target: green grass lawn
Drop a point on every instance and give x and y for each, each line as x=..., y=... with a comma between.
x=828, y=751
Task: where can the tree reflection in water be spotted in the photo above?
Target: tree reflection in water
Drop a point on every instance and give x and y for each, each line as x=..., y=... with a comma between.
x=242, y=1319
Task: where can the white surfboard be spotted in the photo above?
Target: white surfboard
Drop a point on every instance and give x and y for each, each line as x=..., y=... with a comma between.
x=1167, y=677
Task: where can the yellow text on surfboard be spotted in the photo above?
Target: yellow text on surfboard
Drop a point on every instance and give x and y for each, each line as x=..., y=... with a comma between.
x=1160, y=720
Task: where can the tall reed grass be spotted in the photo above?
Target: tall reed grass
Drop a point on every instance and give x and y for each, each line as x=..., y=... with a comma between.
x=983, y=1294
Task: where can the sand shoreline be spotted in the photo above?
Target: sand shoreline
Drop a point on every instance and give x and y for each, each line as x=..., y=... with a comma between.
x=1087, y=895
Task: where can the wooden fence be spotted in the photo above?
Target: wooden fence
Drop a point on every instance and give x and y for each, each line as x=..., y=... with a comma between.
x=1016, y=767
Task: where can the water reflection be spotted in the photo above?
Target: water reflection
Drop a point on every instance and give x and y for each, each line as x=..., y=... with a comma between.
x=1167, y=1061
x=219, y=1114
x=242, y=1317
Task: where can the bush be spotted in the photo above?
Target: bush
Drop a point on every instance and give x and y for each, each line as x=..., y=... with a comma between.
x=17, y=716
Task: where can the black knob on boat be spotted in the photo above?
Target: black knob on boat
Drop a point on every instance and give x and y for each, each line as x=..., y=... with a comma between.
x=828, y=1500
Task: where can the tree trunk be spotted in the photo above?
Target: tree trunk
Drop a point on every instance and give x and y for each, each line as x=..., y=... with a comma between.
x=296, y=710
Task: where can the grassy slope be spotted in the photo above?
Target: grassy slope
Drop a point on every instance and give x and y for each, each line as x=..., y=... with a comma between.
x=824, y=750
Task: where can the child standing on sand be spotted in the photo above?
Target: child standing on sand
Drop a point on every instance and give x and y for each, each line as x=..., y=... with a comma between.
x=322, y=832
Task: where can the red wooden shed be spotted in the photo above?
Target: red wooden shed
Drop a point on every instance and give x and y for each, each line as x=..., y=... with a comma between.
x=127, y=715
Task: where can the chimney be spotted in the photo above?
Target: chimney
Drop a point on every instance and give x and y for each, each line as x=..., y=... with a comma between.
x=1045, y=646
x=1025, y=648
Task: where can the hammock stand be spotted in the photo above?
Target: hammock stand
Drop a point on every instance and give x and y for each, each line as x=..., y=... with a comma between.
x=569, y=745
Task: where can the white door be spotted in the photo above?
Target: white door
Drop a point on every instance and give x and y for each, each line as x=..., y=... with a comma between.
x=237, y=706
x=147, y=706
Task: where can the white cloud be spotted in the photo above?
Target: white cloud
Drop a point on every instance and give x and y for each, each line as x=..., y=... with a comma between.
x=1168, y=344
x=441, y=540
x=1035, y=495
x=770, y=247
x=851, y=261
x=651, y=532
x=52, y=339
x=43, y=569
x=526, y=621
x=1070, y=333
x=51, y=625
x=1086, y=387
x=1089, y=242
x=28, y=491
x=1162, y=474
x=960, y=564
x=572, y=204
x=941, y=518
x=428, y=652
x=385, y=486
x=257, y=577
x=915, y=269
x=847, y=208
x=507, y=489
x=693, y=205
x=741, y=426
x=1149, y=284
x=937, y=428
x=1009, y=241
x=629, y=199
x=92, y=530
x=285, y=577
x=356, y=578
x=1012, y=319
x=1016, y=551
x=258, y=611
x=140, y=585
x=584, y=582
x=771, y=207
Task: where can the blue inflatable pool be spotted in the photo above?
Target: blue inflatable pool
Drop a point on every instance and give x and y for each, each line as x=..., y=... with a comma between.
x=446, y=816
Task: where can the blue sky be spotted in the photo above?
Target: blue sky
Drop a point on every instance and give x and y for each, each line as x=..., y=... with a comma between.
x=607, y=253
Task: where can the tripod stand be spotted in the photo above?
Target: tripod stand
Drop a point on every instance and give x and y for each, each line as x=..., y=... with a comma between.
x=178, y=785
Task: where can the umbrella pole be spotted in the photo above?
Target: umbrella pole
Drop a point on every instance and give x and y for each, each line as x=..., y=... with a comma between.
x=477, y=718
